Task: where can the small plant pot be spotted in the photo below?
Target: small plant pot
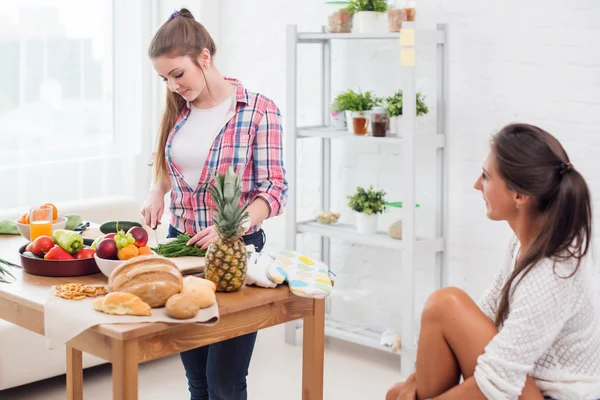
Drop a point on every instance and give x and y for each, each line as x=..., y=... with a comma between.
x=340, y=22
x=360, y=122
x=366, y=224
x=348, y=114
x=338, y=120
x=370, y=22
x=396, y=125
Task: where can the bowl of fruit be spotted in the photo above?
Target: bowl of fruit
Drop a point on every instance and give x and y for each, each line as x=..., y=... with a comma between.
x=66, y=253
x=112, y=249
x=24, y=228
x=23, y=223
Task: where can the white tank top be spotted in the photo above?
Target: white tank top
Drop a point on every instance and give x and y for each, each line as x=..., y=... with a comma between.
x=192, y=142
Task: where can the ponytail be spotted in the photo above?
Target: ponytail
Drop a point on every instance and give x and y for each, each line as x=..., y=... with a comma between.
x=533, y=163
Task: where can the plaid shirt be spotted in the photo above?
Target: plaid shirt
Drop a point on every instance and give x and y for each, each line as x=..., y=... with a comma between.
x=251, y=142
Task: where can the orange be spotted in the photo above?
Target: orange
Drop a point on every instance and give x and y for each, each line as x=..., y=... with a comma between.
x=128, y=252
x=24, y=219
x=144, y=250
x=54, y=210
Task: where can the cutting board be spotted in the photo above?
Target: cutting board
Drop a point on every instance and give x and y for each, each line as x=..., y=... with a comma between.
x=189, y=264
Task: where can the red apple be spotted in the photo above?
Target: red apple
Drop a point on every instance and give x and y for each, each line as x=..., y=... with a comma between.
x=140, y=235
x=109, y=236
x=107, y=249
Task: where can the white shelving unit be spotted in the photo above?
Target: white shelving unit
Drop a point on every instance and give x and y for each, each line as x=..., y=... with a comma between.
x=409, y=39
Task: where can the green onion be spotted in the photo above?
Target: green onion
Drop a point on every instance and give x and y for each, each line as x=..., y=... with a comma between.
x=178, y=248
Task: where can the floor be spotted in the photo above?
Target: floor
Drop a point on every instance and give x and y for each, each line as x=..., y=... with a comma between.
x=351, y=372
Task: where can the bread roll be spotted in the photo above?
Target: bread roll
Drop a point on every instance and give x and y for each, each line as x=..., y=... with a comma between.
x=154, y=279
x=202, y=289
x=119, y=303
x=182, y=306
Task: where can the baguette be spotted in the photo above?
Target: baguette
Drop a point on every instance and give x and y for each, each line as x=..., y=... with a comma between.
x=118, y=303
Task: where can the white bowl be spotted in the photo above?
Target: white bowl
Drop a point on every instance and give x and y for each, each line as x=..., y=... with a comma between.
x=60, y=223
x=107, y=266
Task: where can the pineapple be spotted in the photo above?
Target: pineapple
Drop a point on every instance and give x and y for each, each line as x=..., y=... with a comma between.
x=226, y=258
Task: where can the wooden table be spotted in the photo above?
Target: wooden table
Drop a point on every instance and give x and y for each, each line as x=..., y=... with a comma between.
x=128, y=345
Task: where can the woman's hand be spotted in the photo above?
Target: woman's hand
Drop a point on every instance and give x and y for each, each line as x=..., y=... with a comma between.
x=153, y=208
x=403, y=390
x=204, y=238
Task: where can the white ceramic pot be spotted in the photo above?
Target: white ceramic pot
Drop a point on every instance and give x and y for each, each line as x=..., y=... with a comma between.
x=338, y=119
x=365, y=223
x=349, y=120
x=396, y=125
x=370, y=22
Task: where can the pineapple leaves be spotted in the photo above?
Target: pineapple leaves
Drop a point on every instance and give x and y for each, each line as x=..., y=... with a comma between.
x=226, y=192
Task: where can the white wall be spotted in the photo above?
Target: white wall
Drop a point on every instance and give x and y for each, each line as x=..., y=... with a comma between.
x=535, y=61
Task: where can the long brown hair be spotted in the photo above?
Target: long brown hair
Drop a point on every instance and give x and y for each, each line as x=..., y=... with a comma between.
x=181, y=35
x=532, y=162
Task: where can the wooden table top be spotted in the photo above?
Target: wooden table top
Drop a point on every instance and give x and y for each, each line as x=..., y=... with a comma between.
x=30, y=291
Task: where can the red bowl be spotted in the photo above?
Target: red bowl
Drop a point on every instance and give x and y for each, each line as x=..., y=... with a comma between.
x=35, y=266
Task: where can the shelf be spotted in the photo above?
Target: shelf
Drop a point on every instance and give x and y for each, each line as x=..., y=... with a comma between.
x=330, y=133
x=380, y=239
x=422, y=36
x=361, y=336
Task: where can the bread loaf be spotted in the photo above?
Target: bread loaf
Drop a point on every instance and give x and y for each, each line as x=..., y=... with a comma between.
x=154, y=279
x=182, y=306
x=202, y=289
x=119, y=303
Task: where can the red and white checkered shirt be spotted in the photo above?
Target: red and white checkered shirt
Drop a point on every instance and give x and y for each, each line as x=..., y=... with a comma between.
x=251, y=142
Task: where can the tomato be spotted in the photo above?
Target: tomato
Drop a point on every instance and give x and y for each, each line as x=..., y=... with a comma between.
x=40, y=246
x=85, y=253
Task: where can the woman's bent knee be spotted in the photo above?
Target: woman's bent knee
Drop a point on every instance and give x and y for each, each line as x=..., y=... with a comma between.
x=442, y=301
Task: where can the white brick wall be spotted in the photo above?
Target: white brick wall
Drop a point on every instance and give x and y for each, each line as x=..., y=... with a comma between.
x=544, y=69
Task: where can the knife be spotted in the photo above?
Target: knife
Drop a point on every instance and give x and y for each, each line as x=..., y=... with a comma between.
x=156, y=237
x=82, y=226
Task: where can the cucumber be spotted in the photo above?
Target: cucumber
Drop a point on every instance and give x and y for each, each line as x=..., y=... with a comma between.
x=111, y=226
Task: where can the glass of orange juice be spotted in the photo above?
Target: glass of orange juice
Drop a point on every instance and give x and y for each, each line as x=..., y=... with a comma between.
x=40, y=222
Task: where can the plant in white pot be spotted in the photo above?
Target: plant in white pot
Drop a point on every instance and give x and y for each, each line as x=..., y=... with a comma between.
x=367, y=204
x=394, y=110
x=356, y=107
x=370, y=16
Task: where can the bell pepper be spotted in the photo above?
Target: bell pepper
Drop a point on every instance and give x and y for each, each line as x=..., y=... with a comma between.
x=58, y=253
x=70, y=241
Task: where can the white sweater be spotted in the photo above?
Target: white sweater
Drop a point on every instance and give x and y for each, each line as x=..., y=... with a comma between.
x=552, y=333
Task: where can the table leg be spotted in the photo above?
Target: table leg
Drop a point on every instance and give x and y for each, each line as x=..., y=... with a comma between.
x=124, y=369
x=313, y=353
x=74, y=374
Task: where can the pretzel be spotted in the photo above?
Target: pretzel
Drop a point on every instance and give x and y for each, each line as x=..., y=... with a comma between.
x=79, y=291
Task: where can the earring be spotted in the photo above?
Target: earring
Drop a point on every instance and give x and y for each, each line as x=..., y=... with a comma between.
x=517, y=206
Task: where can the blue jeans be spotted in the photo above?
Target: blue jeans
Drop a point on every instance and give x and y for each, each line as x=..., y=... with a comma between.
x=218, y=371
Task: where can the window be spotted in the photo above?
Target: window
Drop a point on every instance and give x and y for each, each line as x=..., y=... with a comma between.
x=74, y=100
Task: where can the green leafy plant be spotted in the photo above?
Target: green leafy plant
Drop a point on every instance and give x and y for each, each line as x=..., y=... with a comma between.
x=394, y=104
x=367, y=201
x=367, y=5
x=353, y=101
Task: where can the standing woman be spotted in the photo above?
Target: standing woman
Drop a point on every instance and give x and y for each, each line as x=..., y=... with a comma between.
x=536, y=332
x=209, y=124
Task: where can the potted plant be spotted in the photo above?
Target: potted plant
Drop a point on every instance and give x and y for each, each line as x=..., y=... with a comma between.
x=356, y=105
x=369, y=16
x=394, y=110
x=368, y=204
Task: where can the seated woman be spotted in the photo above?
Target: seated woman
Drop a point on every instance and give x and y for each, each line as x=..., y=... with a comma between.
x=536, y=332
